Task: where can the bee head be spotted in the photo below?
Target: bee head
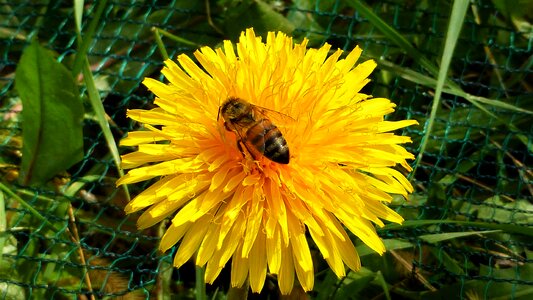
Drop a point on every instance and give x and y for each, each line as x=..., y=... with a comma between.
x=233, y=109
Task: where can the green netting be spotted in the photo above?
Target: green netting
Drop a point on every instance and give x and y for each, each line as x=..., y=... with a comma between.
x=476, y=168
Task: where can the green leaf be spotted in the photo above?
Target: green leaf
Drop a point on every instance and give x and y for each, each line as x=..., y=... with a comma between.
x=27, y=206
x=439, y=237
x=501, y=288
x=74, y=187
x=52, y=112
x=383, y=283
x=394, y=36
x=83, y=45
x=454, y=29
x=519, y=13
x=519, y=212
x=92, y=91
x=355, y=283
x=508, y=228
x=390, y=244
x=446, y=260
x=326, y=287
x=419, y=78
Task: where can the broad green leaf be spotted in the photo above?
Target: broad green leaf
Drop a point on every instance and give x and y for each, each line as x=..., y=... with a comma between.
x=52, y=113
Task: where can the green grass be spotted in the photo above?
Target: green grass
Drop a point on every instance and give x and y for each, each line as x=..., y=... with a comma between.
x=459, y=68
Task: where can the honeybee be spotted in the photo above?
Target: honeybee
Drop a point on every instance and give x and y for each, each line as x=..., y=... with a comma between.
x=254, y=130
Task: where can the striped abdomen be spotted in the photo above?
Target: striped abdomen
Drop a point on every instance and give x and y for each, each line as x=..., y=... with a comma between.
x=267, y=139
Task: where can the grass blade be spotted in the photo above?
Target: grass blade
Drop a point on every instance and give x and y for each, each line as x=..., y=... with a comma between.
x=83, y=44
x=200, y=283
x=390, y=244
x=383, y=283
x=394, y=36
x=98, y=107
x=176, y=38
x=82, y=62
x=454, y=29
x=439, y=237
x=421, y=79
x=30, y=208
x=159, y=43
x=451, y=86
x=509, y=228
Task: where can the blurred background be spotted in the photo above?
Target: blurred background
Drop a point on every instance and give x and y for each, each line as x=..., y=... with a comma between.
x=468, y=232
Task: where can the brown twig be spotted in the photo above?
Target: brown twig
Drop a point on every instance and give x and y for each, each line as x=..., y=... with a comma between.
x=74, y=236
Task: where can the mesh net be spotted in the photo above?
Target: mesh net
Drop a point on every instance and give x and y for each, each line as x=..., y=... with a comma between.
x=476, y=167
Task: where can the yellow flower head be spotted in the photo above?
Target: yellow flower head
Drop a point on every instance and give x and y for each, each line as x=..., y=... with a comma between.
x=227, y=199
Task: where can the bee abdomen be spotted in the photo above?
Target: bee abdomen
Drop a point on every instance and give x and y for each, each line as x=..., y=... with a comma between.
x=269, y=141
x=277, y=150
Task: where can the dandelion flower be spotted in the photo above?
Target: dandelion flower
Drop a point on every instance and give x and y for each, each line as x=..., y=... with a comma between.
x=226, y=204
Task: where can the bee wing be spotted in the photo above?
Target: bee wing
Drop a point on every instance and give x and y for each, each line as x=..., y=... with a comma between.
x=278, y=118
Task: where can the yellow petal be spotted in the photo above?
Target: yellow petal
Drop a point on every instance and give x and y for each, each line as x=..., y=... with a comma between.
x=181, y=165
x=208, y=245
x=300, y=248
x=228, y=249
x=150, y=195
x=135, y=138
x=258, y=265
x=191, y=241
x=255, y=215
x=286, y=272
x=155, y=116
x=239, y=268
x=346, y=249
x=232, y=211
x=364, y=230
x=173, y=235
x=273, y=251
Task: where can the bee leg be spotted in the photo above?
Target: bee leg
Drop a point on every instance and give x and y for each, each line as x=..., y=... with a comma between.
x=239, y=146
x=227, y=126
